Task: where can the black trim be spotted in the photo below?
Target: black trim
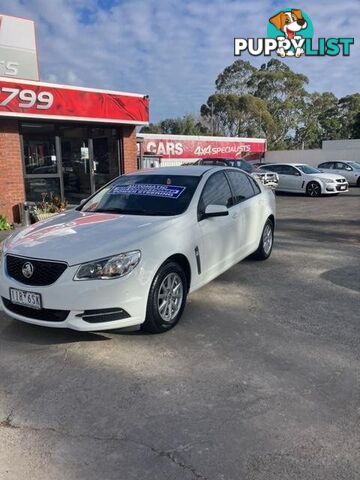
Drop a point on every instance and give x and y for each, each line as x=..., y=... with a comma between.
x=103, y=315
x=46, y=314
x=198, y=260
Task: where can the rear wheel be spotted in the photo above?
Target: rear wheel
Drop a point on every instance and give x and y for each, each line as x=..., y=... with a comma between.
x=313, y=189
x=167, y=299
x=266, y=242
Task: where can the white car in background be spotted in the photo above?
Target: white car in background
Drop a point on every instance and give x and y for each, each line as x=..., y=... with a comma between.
x=349, y=170
x=132, y=252
x=302, y=178
x=269, y=179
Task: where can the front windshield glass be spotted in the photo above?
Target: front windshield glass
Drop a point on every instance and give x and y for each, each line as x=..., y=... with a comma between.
x=307, y=169
x=247, y=167
x=144, y=195
x=354, y=165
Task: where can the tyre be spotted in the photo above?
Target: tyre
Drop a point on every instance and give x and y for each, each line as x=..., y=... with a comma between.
x=313, y=189
x=266, y=242
x=167, y=298
x=358, y=182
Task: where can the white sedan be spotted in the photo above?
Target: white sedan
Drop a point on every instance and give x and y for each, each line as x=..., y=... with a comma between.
x=131, y=253
x=302, y=178
x=347, y=169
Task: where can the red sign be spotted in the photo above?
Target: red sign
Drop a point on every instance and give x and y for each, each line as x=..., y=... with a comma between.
x=193, y=148
x=42, y=100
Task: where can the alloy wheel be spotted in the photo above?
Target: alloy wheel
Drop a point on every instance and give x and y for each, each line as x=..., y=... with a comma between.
x=267, y=239
x=314, y=189
x=170, y=297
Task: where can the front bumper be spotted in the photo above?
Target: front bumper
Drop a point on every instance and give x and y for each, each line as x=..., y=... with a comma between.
x=336, y=187
x=87, y=305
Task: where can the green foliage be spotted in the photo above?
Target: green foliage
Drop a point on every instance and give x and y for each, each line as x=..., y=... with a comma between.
x=4, y=224
x=273, y=102
x=187, y=125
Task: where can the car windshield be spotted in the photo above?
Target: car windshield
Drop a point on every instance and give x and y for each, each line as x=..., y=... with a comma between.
x=307, y=169
x=245, y=166
x=144, y=195
x=354, y=165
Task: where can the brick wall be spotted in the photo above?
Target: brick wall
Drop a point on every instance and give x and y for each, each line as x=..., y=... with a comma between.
x=11, y=170
x=129, y=148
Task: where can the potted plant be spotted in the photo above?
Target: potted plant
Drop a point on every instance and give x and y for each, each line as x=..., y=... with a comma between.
x=49, y=206
x=4, y=224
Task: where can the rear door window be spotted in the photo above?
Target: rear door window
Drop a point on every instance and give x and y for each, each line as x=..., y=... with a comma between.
x=241, y=186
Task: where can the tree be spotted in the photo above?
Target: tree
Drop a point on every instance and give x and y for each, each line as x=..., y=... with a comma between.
x=356, y=126
x=187, y=125
x=235, y=78
x=285, y=94
x=236, y=115
x=349, y=108
x=267, y=101
x=321, y=121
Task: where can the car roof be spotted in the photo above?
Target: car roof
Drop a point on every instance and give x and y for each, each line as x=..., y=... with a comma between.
x=218, y=159
x=291, y=164
x=190, y=170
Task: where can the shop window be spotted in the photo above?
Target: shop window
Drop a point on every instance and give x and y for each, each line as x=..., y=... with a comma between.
x=39, y=149
x=39, y=188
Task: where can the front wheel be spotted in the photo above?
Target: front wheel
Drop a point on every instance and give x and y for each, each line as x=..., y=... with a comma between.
x=266, y=242
x=313, y=189
x=167, y=298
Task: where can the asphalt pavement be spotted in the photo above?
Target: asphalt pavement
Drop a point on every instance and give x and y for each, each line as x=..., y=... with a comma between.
x=259, y=381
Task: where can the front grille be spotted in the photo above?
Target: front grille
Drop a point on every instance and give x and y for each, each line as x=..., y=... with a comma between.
x=45, y=314
x=341, y=180
x=44, y=272
x=339, y=188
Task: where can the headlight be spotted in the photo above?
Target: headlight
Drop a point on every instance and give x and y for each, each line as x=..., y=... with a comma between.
x=109, y=268
x=329, y=180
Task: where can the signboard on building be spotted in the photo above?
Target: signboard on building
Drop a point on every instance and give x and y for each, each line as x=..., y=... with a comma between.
x=186, y=147
x=59, y=102
x=18, y=55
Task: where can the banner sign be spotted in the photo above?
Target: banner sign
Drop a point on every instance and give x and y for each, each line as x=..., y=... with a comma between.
x=192, y=148
x=44, y=100
x=18, y=55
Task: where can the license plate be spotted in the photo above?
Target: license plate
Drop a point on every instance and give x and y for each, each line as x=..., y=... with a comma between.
x=27, y=299
x=343, y=187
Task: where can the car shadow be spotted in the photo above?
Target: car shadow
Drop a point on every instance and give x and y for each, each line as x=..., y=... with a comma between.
x=21, y=332
x=347, y=277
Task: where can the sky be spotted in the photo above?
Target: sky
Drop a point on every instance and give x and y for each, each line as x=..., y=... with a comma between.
x=173, y=50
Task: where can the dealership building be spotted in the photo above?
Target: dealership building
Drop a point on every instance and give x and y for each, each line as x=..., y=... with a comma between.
x=58, y=139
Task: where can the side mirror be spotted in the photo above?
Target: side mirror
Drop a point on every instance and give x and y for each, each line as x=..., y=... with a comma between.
x=215, y=211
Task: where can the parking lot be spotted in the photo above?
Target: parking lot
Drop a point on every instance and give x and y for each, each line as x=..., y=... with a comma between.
x=260, y=379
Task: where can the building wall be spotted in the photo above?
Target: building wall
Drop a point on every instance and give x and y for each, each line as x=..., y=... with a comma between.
x=312, y=157
x=12, y=190
x=11, y=170
x=129, y=148
x=341, y=144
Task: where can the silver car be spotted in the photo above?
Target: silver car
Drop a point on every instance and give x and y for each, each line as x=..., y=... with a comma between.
x=349, y=170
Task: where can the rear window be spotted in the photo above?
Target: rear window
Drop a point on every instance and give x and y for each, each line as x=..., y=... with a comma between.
x=145, y=195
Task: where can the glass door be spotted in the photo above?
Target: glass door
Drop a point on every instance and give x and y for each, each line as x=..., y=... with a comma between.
x=105, y=150
x=77, y=166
